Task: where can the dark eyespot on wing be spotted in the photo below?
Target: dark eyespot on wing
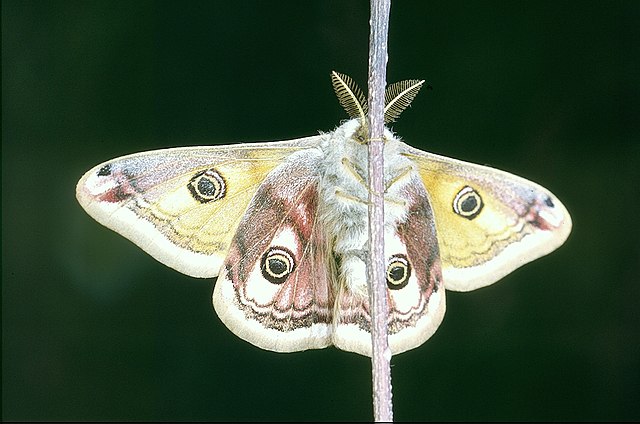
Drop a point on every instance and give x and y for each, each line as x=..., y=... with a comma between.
x=208, y=185
x=277, y=264
x=398, y=272
x=467, y=203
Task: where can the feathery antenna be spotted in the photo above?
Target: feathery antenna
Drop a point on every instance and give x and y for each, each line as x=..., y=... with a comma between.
x=398, y=96
x=349, y=95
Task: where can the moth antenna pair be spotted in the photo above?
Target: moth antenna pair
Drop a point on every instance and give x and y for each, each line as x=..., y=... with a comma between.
x=397, y=97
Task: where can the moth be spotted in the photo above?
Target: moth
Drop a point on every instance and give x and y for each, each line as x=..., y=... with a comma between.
x=283, y=227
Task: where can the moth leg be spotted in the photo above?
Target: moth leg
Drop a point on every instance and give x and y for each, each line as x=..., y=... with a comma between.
x=344, y=195
x=347, y=196
x=353, y=170
x=403, y=173
x=398, y=202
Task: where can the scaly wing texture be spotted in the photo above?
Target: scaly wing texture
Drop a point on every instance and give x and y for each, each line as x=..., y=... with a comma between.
x=274, y=290
x=182, y=205
x=489, y=222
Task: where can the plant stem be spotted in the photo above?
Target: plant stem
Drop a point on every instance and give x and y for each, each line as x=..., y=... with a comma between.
x=381, y=354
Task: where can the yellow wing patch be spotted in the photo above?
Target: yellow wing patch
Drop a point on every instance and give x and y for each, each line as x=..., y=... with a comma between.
x=510, y=221
x=208, y=228
x=182, y=205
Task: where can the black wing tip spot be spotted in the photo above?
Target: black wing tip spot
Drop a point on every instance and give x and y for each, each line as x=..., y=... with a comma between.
x=549, y=202
x=105, y=171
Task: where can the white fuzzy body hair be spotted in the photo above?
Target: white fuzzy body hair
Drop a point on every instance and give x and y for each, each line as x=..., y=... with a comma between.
x=344, y=197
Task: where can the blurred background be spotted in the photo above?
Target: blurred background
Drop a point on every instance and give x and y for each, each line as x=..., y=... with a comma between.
x=95, y=329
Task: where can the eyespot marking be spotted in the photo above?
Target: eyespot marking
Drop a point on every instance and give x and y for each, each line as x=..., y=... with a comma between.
x=277, y=264
x=467, y=203
x=398, y=272
x=207, y=186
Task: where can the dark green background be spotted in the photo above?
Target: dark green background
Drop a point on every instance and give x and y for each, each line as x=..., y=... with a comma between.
x=95, y=329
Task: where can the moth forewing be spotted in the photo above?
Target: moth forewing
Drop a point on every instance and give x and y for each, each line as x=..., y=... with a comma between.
x=514, y=221
x=161, y=200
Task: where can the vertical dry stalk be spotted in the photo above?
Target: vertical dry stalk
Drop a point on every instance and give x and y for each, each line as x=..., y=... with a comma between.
x=381, y=356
